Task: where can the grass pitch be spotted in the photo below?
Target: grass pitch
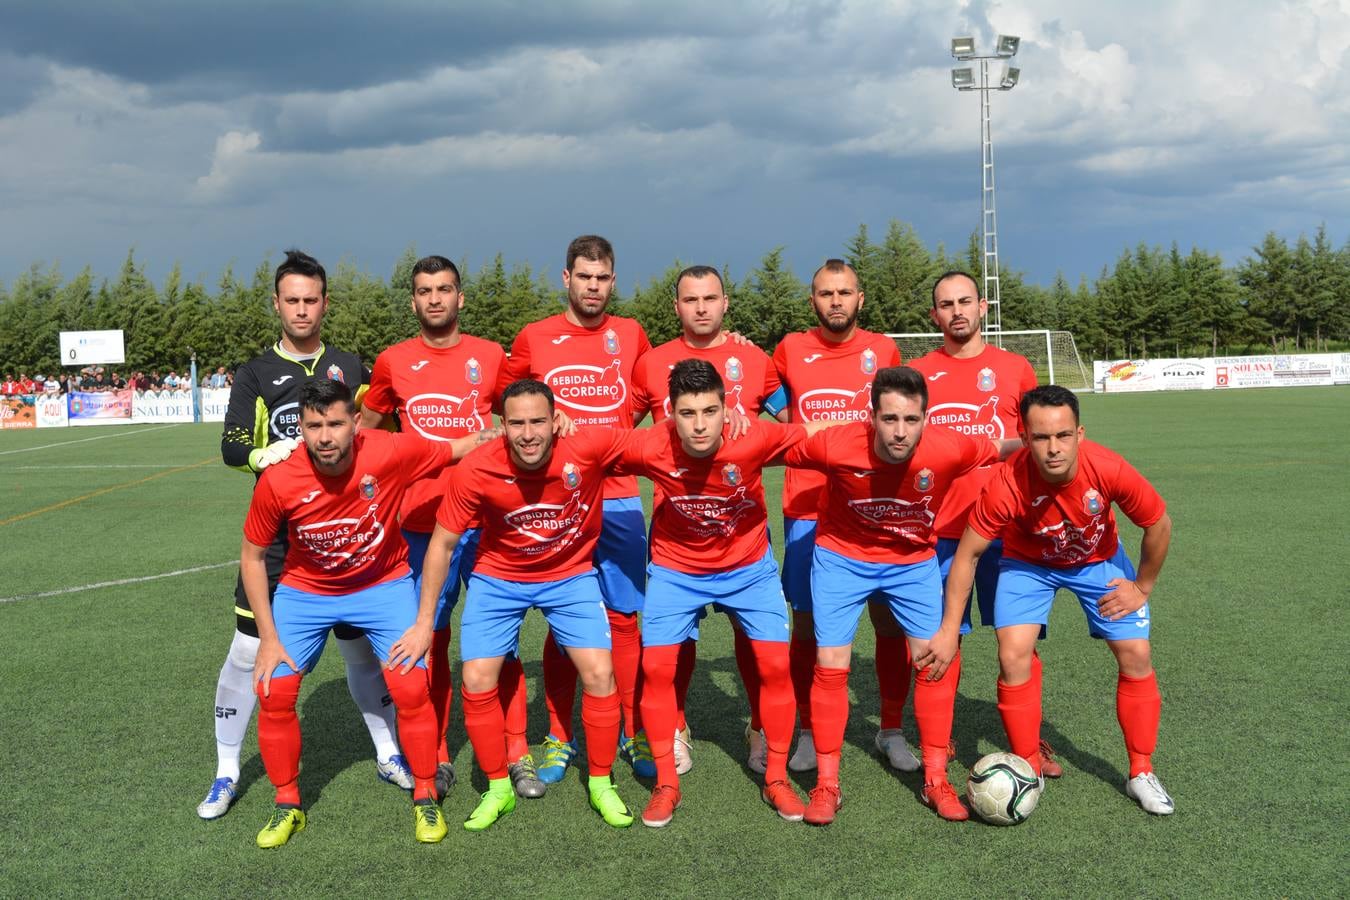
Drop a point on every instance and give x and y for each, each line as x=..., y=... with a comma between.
x=107, y=692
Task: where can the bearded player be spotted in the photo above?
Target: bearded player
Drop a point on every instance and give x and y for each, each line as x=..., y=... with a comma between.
x=1051, y=503
x=586, y=356
x=828, y=372
x=701, y=306
x=442, y=384
x=539, y=504
x=346, y=563
x=261, y=426
x=886, y=480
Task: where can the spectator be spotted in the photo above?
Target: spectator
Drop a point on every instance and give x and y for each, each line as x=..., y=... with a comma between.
x=156, y=382
x=26, y=384
x=118, y=382
x=220, y=379
x=65, y=383
x=53, y=385
x=171, y=381
x=9, y=385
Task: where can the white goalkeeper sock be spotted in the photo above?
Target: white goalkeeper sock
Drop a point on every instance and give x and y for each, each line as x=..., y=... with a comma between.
x=365, y=680
x=235, y=701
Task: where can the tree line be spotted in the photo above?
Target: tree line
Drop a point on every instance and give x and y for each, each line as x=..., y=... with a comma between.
x=1151, y=302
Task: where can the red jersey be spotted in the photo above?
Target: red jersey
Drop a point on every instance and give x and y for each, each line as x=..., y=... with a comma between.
x=978, y=396
x=1064, y=525
x=343, y=529
x=747, y=373
x=589, y=370
x=711, y=515
x=826, y=380
x=441, y=393
x=879, y=511
x=537, y=524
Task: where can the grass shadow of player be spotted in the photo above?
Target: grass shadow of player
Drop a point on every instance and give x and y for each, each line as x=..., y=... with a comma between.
x=334, y=737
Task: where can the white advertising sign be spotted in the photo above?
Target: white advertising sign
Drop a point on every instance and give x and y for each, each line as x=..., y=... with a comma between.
x=214, y=403
x=87, y=348
x=52, y=411
x=161, y=406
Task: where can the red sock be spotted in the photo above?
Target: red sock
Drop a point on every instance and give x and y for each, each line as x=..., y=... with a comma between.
x=1139, y=709
x=512, y=693
x=416, y=727
x=802, y=663
x=442, y=688
x=279, y=736
x=893, y=676
x=934, y=706
x=660, y=666
x=776, y=703
x=626, y=643
x=829, y=713
x=1019, y=705
x=747, y=664
x=560, y=689
x=684, y=673
x=486, y=725
x=600, y=718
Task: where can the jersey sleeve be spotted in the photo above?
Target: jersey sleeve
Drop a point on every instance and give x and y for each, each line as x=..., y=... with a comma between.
x=518, y=364
x=640, y=398
x=264, y=514
x=775, y=395
x=1137, y=499
x=778, y=439
x=380, y=397
x=240, y=435
x=976, y=453
x=421, y=457
x=812, y=453
x=458, y=510
x=995, y=507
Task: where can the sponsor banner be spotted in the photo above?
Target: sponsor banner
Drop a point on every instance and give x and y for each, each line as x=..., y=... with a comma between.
x=214, y=403
x=1340, y=368
x=1129, y=375
x=18, y=411
x=52, y=411
x=100, y=408
x=1304, y=369
x=162, y=406
x=83, y=348
x=1288, y=370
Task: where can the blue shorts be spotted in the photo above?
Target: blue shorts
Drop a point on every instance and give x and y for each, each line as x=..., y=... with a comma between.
x=383, y=611
x=842, y=586
x=494, y=610
x=799, y=542
x=677, y=600
x=1025, y=592
x=461, y=564
x=621, y=555
x=986, y=578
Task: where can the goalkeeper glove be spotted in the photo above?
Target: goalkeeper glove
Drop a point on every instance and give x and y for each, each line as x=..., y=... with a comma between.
x=272, y=454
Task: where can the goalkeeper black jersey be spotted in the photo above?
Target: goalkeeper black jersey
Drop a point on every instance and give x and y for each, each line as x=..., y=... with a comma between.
x=265, y=399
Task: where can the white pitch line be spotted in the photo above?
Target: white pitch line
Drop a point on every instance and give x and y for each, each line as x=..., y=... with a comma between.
x=63, y=468
x=98, y=437
x=117, y=583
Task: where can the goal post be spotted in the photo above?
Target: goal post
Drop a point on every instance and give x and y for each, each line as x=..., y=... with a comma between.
x=1052, y=354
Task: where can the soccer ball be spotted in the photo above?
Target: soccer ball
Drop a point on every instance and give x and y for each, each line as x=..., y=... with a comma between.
x=1003, y=789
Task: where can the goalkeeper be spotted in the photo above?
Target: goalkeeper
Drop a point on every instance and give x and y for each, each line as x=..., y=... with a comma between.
x=262, y=427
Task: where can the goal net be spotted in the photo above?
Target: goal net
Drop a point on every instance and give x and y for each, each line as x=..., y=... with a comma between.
x=1053, y=354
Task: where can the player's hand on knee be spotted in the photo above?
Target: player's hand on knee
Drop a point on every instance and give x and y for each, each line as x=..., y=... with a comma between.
x=938, y=655
x=270, y=655
x=1125, y=599
x=415, y=644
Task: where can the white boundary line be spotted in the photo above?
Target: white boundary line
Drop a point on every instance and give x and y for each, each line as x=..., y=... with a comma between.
x=120, y=581
x=120, y=432
x=53, y=467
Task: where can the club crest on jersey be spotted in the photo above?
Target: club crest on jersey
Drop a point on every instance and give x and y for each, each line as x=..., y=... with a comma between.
x=369, y=486
x=986, y=380
x=611, y=342
x=571, y=475
x=869, y=361
x=334, y=373
x=731, y=475
x=1092, y=502
x=733, y=369
x=923, y=481
x=473, y=371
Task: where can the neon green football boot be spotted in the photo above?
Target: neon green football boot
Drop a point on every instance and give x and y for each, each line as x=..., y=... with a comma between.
x=606, y=801
x=428, y=821
x=284, y=821
x=498, y=800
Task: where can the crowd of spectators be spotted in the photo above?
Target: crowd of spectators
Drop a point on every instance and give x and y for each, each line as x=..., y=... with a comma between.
x=97, y=378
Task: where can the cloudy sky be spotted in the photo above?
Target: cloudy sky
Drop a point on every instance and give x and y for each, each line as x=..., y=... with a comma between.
x=708, y=131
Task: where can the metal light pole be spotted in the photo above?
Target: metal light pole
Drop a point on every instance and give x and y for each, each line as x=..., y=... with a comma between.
x=963, y=79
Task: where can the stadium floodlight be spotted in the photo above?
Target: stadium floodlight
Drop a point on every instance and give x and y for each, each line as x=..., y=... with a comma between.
x=1010, y=76
x=1007, y=45
x=963, y=47
x=963, y=79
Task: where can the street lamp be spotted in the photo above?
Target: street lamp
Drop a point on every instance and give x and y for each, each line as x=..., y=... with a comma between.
x=963, y=79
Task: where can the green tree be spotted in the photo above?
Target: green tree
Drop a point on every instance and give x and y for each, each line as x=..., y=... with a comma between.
x=770, y=303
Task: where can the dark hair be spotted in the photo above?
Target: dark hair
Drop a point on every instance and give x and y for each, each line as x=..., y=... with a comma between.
x=954, y=273
x=695, y=376
x=592, y=247
x=900, y=380
x=1049, y=395
x=698, y=272
x=525, y=387
x=430, y=265
x=836, y=266
x=300, y=263
x=319, y=394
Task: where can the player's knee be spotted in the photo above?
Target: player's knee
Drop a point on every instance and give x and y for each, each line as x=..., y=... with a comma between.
x=477, y=677
x=1133, y=657
x=243, y=652
x=280, y=696
x=834, y=657
x=409, y=690
x=771, y=659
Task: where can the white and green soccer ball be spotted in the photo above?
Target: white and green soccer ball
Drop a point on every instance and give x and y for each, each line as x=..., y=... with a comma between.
x=1003, y=789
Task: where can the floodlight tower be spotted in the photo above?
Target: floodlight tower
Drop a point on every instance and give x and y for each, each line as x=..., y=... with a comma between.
x=963, y=79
